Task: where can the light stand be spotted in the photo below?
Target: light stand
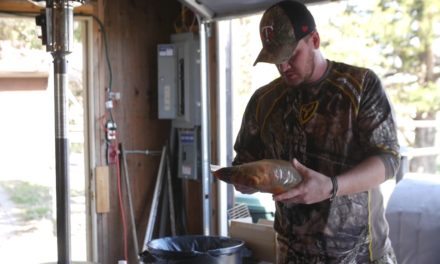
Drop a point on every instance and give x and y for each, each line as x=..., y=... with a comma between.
x=57, y=34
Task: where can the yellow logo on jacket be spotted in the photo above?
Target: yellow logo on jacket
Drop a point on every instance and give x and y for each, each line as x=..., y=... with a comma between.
x=307, y=111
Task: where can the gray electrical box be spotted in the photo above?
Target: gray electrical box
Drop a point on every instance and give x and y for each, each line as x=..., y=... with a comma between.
x=179, y=80
x=179, y=98
x=188, y=154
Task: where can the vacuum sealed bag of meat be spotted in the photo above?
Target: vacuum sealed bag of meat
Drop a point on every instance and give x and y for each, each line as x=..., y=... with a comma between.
x=268, y=175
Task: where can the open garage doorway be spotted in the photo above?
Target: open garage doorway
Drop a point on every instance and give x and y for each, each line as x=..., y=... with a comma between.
x=412, y=90
x=27, y=149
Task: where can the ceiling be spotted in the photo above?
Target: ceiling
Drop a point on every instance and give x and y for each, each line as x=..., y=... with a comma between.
x=226, y=9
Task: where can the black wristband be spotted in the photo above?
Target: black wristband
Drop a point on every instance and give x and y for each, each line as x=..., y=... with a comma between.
x=335, y=187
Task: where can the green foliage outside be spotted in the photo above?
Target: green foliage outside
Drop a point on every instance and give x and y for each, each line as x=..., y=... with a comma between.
x=33, y=201
x=76, y=147
x=397, y=39
x=22, y=33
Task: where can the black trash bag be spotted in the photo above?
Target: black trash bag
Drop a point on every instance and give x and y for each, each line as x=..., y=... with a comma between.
x=194, y=250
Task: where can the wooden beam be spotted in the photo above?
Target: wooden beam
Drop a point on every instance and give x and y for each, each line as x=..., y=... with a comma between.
x=22, y=75
x=23, y=84
x=28, y=7
x=19, y=7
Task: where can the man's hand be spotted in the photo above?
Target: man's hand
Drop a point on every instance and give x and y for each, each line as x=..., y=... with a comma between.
x=315, y=187
x=244, y=189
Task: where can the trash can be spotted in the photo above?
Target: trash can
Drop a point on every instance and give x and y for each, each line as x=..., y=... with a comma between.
x=194, y=250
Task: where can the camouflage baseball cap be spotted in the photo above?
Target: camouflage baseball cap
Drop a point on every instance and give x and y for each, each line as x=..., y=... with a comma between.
x=282, y=26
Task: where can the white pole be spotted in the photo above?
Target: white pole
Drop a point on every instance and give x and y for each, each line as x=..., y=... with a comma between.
x=205, y=125
x=224, y=75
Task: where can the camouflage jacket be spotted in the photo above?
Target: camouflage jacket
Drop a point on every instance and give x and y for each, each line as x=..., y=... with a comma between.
x=329, y=126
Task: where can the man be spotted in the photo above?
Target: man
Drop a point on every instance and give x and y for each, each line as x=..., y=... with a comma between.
x=334, y=122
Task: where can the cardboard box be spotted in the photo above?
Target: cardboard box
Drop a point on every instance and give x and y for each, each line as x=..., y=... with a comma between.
x=260, y=238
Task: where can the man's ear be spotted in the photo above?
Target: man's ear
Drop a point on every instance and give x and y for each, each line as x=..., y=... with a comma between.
x=316, y=40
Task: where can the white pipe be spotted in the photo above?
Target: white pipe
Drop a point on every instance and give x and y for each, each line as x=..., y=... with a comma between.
x=145, y=152
x=223, y=46
x=205, y=131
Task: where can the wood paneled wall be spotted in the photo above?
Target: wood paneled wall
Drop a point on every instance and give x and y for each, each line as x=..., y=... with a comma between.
x=134, y=28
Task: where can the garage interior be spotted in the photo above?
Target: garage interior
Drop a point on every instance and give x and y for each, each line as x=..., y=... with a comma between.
x=149, y=141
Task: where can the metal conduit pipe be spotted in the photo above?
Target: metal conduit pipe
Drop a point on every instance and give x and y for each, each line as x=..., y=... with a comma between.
x=223, y=93
x=145, y=152
x=205, y=125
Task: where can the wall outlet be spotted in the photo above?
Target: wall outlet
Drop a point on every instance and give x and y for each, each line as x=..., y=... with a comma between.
x=112, y=153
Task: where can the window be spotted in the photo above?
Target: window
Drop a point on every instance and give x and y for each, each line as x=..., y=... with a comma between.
x=27, y=174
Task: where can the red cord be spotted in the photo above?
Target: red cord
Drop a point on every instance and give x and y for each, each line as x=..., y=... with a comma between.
x=121, y=207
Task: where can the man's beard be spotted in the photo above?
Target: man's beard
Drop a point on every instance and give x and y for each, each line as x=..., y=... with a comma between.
x=307, y=74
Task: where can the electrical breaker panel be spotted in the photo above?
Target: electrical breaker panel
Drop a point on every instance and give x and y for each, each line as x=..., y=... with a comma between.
x=179, y=80
x=179, y=98
x=188, y=154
